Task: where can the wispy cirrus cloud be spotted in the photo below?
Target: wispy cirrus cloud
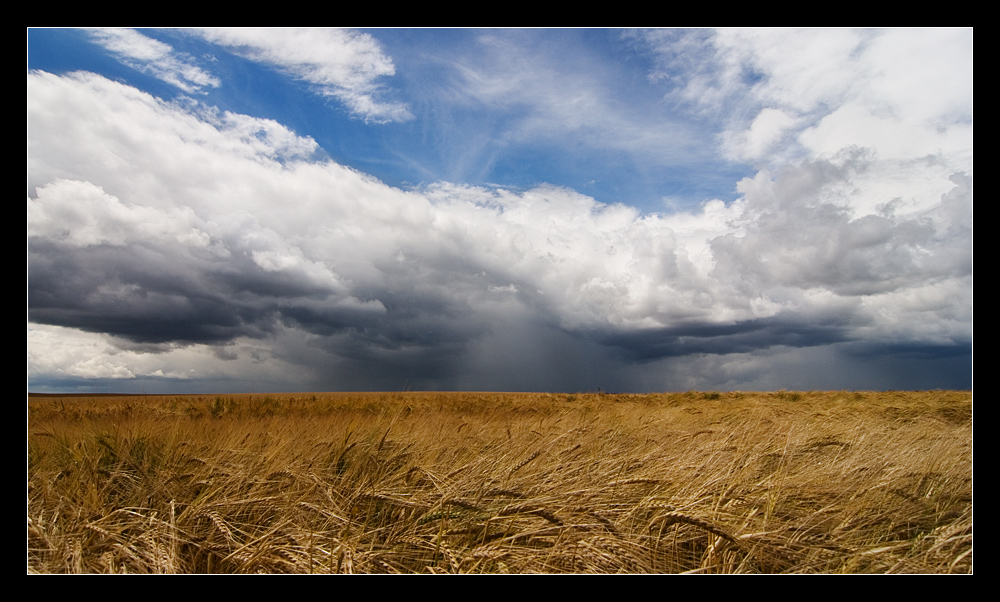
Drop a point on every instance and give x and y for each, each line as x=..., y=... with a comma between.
x=559, y=93
x=346, y=65
x=156, y=58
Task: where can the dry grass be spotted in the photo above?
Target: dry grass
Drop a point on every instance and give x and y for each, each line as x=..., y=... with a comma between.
x=829, y=482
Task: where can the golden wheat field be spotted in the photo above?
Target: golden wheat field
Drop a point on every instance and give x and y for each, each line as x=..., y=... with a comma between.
x=783, y=482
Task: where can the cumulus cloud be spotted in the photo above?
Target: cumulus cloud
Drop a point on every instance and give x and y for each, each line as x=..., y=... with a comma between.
x=220, y=242
x=156, y=58
x=905, y=93
x=67, y=357
x=342, y=64
x=768, y=129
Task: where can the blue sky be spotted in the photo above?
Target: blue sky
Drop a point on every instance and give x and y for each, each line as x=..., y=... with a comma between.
x=245, y=210
x=512, y=108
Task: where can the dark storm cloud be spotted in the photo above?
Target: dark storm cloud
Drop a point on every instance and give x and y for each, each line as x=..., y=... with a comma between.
x=961, y=348
x=742, y=337
x=167, y=294
x=135, y=293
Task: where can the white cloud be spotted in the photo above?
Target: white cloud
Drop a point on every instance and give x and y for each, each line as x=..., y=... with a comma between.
x=343, y=64
x=903, y=93
x=57, y=352
x=82, y=214
x=767, y=130
x=66, y=351
x=154, y=57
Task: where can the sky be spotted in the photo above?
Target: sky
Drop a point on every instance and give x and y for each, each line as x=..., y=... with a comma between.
x=264, y=210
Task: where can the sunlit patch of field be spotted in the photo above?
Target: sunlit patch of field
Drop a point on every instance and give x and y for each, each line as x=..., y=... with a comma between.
x=783, y=482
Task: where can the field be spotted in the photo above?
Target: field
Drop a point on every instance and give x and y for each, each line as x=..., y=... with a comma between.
x=782, y=482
